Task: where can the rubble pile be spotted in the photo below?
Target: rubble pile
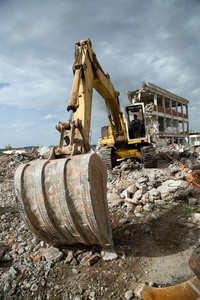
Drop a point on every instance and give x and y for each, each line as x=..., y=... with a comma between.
x=12, y=158
x=32, y=269
x=8, y=164
x=143, y=189
x=188, y=156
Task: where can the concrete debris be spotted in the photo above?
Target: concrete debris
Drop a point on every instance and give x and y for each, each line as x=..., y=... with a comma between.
x=11, y=159
x=114, y=199
x=148, y=207
x=52, y=255
x=129, y=295
x=174, y=189
x=196, y=218
x=44, y=151
x=156, y=186
x=192, y=201
x=108, y=254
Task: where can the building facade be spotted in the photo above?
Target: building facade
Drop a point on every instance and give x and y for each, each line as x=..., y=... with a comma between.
x=166, y=114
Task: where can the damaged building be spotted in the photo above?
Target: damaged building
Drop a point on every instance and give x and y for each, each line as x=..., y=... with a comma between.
x=166, y=114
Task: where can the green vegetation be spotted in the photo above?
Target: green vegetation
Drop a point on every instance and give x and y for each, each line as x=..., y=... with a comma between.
x=8, y=147
x=189, y=210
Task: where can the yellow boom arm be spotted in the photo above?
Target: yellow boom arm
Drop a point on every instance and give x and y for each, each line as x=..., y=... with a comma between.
x=88, y=74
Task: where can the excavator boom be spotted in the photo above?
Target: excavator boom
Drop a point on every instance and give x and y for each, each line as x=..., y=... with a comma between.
x=88, y=75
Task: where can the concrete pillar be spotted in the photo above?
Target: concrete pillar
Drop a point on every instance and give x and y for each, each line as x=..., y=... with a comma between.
x=187, y=127
x=164, y=123
x=182, y=125
x=176, y=106
x=172, y=141
x=163, y=101
x=170, y=103
x=186, y=109
x=155, y=99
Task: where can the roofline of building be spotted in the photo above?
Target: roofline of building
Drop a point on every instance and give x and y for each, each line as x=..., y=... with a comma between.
x=154, y=88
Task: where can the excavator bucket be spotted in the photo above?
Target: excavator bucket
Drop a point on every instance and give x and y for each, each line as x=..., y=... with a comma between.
x=63, y=201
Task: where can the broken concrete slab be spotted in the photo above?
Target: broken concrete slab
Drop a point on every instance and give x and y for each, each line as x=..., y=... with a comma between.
x=52, y=254
x=108, y=254
x=192, y=201
x=131, y=190
x=174, y=189
x=196, y=218
x=155, y=193
x=148, y=207
x=114, y=200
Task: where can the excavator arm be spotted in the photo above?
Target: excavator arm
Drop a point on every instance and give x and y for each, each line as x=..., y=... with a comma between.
x=63, y=199
x=88, y=74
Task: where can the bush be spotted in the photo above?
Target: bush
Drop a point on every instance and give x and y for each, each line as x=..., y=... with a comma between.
x=8, y=147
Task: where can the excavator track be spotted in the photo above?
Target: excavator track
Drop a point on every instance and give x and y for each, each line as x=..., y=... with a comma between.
x=148, y=153
x=149, y=157
x=106, y=156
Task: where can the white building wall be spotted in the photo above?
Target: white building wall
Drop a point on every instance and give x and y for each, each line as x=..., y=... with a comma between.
x=195, y=140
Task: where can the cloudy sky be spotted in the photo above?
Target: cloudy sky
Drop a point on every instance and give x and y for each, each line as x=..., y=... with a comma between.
x=134, y=40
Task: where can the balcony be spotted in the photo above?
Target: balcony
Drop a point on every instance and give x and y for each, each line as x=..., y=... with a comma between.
x=170, y=112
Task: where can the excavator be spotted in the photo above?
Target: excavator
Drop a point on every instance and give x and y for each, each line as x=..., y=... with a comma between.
x=63, y=199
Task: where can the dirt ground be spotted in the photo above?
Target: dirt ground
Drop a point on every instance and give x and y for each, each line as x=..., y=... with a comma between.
x=154, y=251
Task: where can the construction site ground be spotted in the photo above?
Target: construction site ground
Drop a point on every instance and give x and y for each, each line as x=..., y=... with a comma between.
x=150, y=248
x=159, y=256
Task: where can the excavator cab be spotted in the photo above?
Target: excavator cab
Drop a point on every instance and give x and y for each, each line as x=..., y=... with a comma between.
x=135, y=121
